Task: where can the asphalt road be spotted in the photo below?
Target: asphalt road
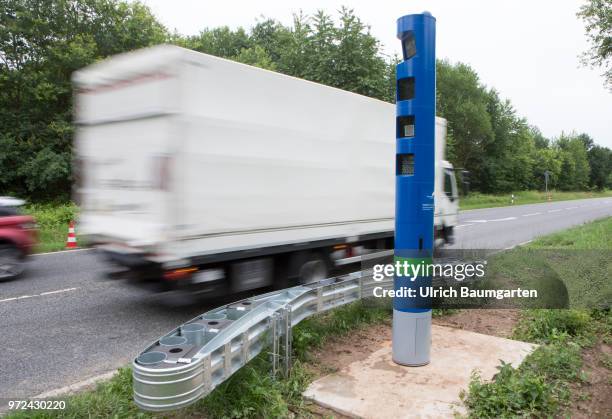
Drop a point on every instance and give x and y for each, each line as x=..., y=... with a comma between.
x=60, y=324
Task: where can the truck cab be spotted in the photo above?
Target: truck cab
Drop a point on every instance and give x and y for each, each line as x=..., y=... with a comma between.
x=446, y=204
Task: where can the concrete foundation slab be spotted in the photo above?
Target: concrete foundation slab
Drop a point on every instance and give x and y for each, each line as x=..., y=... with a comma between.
x=376, y=387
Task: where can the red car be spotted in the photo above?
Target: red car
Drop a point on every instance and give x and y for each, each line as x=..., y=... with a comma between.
x=18, y=235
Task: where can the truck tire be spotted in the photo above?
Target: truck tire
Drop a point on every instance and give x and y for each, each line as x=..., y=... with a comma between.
x=312, y=268
x=11, y=262
x=449, y=234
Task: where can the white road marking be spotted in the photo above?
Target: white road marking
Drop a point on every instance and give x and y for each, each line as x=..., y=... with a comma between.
x=57, y=291
x=463, y=225
x=8, y=299
x=571, y=208
x=555, y=210
x=486, y=221
x=532, y=214
x=64, y=251
x=22, y=297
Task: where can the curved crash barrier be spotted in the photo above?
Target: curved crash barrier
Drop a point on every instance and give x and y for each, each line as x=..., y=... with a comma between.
x=189, y=362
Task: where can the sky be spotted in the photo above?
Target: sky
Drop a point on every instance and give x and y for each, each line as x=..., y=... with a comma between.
x=527, y=50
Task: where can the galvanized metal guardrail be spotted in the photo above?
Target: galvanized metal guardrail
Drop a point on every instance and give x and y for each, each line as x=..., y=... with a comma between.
x=190, y=361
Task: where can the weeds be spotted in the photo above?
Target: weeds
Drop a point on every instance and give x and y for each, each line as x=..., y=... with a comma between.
x=52, y=220
x=541, y=385
x=545, y=326
x=513, y=393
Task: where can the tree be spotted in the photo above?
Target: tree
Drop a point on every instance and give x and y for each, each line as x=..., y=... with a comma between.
x=41, y=44
x=597, y=16
x=463, y=102
x=546, y=160
x=575, y=168
x=222, y=42
x=510, y=153
x=600, y=162
x=539, y=141
x=256, y=56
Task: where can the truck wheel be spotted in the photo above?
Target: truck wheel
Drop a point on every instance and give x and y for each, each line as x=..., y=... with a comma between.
x=313, y=269
x=449, y=235
x=11, y=263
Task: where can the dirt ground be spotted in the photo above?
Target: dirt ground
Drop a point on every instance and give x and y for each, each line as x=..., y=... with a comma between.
x=591, y=399
x=342, y=351
x=594, y=398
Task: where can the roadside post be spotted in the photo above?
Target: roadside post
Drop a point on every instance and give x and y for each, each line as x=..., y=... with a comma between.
x=414, y=199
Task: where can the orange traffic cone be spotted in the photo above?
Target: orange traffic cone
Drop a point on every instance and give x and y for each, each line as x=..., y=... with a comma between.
x=71, y=241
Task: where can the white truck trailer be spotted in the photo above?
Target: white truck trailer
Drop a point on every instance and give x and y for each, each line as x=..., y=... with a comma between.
x=203, y=174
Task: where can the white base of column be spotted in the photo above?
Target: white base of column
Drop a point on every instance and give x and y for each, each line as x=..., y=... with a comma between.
x=411, y=338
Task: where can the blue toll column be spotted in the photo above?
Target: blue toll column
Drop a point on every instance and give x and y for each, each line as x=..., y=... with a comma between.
x=415, y=173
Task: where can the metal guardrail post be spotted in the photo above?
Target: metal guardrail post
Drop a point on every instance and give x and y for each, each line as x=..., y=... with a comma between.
x=172, y=373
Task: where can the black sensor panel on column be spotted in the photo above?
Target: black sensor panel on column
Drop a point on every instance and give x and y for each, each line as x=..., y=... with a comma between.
x=405, y=88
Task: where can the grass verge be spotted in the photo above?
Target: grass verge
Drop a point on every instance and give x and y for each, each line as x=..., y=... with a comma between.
x=571, y=268
x=478, y=200
x=542, y=385
x=251, y=392
x=52, y=220
x=539, y=387
x=549, y=378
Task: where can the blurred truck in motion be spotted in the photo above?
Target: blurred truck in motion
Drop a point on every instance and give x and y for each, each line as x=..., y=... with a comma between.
x=201, y=174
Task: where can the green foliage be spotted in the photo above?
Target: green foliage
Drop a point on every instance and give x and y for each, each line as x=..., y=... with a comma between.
x=253, y=392
x=52, y=220
x=42, y=43
x=575, y=168
x=513, y=393
x=462, y=100
x=597, y=16
x=510, y=155
x=478, y=200
x=543, y=326
x=249, y=393
x=540, y=386
x=596, y=235
x=111, y=398
x=600, y=163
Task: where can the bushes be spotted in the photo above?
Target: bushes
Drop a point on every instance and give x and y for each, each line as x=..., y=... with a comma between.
x=53, y=222
x=542, y=326
x=540, y=386
x=514, y=392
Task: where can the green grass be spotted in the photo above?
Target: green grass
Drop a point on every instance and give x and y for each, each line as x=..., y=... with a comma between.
x=572, y=266
x=596, y=235
x=251, y=392
x=478, y=200
x=541, y=385
x=52, y=220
